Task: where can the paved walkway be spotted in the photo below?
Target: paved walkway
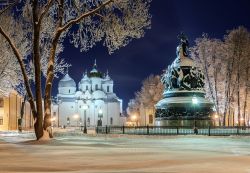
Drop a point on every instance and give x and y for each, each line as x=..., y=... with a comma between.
x=194, y=154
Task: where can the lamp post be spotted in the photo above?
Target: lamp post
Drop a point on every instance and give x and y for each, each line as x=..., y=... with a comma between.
x=58, y=111
x=108, y=112
x=194, y=102
x=85, y=107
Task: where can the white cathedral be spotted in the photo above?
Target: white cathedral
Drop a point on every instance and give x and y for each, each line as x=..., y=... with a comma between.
x=93, y=103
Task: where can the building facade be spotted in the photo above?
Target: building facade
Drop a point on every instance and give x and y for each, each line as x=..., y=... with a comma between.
x=10, y=111
x=92, y=102
x=140, y=115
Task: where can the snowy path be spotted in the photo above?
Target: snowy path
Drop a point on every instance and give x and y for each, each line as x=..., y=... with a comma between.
x=126, y=154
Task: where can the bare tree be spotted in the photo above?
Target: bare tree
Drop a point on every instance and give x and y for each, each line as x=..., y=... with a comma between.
x=209, y=55
x=47, y=23
x=238, y=42
x=150, y=93
x=226, y=66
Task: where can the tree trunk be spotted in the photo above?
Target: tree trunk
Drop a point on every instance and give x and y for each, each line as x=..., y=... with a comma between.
x=215, y=76
x=38, y=126
x=238, y=95
x=50, y=71
x=246, y=94
x=205, y=66
x=229, y=87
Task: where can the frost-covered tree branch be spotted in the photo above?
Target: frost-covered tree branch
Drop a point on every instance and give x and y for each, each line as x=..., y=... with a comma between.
x=46, y=24
x=8, y=6
x=21, y=64
x=82, y=16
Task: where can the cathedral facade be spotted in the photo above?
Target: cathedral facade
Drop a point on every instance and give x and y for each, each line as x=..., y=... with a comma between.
x=91, y=103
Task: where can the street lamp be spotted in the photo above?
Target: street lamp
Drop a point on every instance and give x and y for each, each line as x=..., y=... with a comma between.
x=85, y=107
x=134, y=118
x=216, y=116
x=242, y=121
x=194, y=102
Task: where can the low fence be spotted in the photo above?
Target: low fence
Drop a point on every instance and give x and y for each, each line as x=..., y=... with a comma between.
x=167, y=130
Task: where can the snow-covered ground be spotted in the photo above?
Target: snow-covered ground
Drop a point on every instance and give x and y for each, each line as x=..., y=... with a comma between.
x=124, y=153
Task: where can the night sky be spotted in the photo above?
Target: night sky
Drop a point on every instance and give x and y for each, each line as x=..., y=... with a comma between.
x=151, y=54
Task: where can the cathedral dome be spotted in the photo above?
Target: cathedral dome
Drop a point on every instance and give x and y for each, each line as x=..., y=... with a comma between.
x=107, y=78
x=67, y=81
x=94, y=72
x=85, y=78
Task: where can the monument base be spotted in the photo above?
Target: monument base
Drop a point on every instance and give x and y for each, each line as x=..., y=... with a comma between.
x=184, y=123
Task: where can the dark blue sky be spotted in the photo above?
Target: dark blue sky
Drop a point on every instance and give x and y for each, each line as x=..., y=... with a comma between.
x=151, y=54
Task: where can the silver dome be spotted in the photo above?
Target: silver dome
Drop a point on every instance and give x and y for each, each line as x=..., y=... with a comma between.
x=67, y=81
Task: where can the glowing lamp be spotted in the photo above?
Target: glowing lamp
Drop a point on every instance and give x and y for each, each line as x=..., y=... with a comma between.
x=76, y=116
x=195, y=100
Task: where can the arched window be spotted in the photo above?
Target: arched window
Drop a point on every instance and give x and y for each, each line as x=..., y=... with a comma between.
x=69, y=91
x=108, y=89
x=96, y=87
x=111, y=121
x=68, y=121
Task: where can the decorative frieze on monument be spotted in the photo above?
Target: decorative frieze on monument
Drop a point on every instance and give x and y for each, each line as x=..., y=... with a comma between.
x=184, y=101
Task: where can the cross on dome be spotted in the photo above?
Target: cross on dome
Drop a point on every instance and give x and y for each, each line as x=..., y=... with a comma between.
x=107, y=74
x=94, y=72
x=95, y=65
x=85, y=74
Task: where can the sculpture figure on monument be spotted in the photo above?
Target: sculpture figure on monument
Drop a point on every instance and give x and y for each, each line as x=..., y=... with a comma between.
x=166, y=78
x=184, y=44
x=180, y=77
